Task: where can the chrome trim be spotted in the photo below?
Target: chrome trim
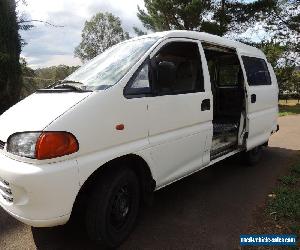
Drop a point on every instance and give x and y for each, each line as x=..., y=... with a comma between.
x=5, y=191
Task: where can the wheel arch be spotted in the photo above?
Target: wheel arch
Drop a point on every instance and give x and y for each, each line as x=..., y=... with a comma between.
x=132, y=161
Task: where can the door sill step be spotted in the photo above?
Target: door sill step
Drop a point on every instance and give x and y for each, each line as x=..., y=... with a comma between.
x=218, y=154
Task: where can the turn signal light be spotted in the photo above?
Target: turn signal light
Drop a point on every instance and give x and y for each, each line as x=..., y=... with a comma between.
x=55, y=144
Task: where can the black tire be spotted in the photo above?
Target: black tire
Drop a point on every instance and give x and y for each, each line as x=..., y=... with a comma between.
x=253, y=156
x=113, y=207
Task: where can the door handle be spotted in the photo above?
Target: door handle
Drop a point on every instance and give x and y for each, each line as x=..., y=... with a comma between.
x=253, y=98
x=205, y=105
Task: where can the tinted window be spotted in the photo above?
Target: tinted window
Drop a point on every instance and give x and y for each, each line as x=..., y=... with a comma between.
x=257, y=71
x=178, y=69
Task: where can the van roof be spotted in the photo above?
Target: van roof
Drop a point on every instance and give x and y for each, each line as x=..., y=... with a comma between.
x=203, y=36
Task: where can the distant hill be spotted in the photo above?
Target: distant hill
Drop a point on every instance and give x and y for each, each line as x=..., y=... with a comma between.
x=43, y=77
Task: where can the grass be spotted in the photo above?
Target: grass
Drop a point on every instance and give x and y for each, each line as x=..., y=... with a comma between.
x=284, y=202
x=281, y=212
x=291, y=107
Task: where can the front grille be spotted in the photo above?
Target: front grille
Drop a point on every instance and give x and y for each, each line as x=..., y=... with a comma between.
x=5, y=191
x=2, y=144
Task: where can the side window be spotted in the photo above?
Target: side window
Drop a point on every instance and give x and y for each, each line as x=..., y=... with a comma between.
x=139, y=83
x=224, y=67
x=141, y=80
x=178, y=69
x=257, y=71
x=229, y=75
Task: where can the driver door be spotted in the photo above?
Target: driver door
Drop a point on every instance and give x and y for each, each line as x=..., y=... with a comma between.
x=180, y=110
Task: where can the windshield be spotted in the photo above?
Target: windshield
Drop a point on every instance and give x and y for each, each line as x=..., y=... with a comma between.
x=109, y=67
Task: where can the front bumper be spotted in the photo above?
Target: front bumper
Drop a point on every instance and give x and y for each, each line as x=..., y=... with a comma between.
x=38, y=195
x=42, y=223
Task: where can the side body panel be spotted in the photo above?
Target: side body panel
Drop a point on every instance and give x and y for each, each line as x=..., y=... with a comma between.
x=179, y=144
x=263, y=113
x=95, y=129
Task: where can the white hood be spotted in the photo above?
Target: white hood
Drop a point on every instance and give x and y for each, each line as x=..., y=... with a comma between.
x=37, y=111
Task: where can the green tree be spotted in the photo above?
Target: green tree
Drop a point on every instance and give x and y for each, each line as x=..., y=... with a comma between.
x=276, y=55
x=43, y=77
x=10, y=48
x=55, y=73
x=26, y=70
x=138, y=31
x=282, y=23
x=173, y=14
x=101, y=32
x=217, y=16
x=287, y=74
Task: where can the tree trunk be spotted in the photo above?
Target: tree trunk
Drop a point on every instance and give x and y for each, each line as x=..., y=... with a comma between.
x=223, y=18
x=10, y=49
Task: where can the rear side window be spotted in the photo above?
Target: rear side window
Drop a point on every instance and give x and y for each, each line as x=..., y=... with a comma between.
x=257, y=71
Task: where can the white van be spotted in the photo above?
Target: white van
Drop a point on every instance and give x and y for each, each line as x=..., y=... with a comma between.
x=143, y=114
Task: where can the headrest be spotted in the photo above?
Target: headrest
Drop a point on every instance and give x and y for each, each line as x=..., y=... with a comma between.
x=166, y=74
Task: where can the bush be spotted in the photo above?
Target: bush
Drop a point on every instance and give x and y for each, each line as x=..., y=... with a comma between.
x=31, y=84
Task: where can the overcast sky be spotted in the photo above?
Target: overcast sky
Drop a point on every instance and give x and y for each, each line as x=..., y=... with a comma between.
x=49, y=46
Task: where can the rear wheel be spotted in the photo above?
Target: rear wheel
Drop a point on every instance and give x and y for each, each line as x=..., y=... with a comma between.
x=253, y=156
x=113, y=207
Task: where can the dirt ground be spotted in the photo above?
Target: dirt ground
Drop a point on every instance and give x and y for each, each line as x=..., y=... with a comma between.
x=208, y=210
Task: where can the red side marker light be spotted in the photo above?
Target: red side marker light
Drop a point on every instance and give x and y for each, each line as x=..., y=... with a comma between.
x=120, y=126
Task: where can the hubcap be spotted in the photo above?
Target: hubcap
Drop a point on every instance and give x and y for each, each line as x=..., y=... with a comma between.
x=120, y=207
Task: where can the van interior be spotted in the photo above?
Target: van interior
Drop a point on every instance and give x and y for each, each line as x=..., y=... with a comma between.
x=227, y=84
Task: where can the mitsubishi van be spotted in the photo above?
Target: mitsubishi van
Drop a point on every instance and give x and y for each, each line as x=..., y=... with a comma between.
x=138, y=117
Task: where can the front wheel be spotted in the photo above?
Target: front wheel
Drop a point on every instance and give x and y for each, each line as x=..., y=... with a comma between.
x=113, y=207
x=253, y=156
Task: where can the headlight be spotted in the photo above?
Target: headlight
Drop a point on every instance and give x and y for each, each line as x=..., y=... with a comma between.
x=42, y=145
x=23, y=144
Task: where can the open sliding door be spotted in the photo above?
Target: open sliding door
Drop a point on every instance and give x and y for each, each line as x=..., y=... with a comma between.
x=261, y=99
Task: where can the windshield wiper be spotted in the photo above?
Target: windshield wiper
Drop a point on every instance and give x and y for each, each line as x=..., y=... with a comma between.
x=65, y=86
x=61, y=82
x=71, y=81
x=72, y=85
